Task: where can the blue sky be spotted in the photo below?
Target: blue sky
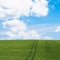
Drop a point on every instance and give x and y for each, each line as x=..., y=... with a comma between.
x=53, y=16
x=28, y=19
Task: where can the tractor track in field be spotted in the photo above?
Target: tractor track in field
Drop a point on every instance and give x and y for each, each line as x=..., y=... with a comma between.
x=32, y=51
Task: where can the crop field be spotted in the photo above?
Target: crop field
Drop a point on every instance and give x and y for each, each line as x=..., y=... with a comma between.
x=29, y=50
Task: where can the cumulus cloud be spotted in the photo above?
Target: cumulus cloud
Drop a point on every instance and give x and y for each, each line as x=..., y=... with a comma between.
x=17, y=29
x=14, y=25
x=57, y=29
x=40, y=7
x=12, y=10
x=19, y=8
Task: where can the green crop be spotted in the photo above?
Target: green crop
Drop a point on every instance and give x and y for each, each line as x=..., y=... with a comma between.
x=29, y=50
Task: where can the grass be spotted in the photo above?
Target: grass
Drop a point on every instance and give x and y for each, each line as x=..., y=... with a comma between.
x=29, y=50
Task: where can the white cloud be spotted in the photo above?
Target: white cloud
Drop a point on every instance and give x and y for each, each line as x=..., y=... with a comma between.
x=40, y=7
x=14, y=25
x=34, y=35
x=10, y=35
x=1, y=12
x=17, y=29
x=19, y=8
x=12, y=10
x=48, y=38
x=57, y=29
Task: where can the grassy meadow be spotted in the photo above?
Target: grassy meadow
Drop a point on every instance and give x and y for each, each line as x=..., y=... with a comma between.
x=29, y=50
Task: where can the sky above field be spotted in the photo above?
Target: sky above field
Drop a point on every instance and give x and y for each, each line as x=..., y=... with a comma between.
x=29, y=19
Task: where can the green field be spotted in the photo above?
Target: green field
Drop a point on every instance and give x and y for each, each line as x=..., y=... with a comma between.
x=29, y=50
